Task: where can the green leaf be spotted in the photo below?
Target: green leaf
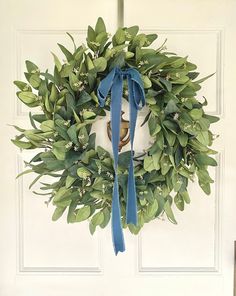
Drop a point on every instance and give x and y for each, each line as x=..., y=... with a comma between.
x=203, y=159
x=100, y=195
x=212, y=118
x=171, y=107
x=102, y=153
x=152, y=209
x=53, y=94
x=18, y=128
x=71, y=212
x=150, y=39
x=27, y=97
x=48, y=77
x=146, y=81
x=47, y=126
x=204, y=78
x=72, y=39
x=83, y=136
x=166, y=83
x=118, y=61
x=183, y=139
x=57, y=62
x=83, y=173
x=88, y=114
x=98, y=218
x=204, y=123
x=60, y=194
x=92, y=228
x=204, y=176
x=51, y=161
x=89, y=63
x=132, y=31
x=31, y=67
x=205, y=187
x=59, y=149
x=84, y=97
x=119, y=37
x=72, y=133
x=78, y=55
x=185, y=196
x=176, y=180
x=148, y=164
x=134, y=229
x=22, y=85
x=58, y=213
x=87, y=155
x=67, y=53
x=32, y=121
x=48, y=104
x=159, y=144
x=171, y=125
x=91, y=35
x=74, y=82
x=107, y=216
x=83, y=213
x=179, y=202
x=100, y=64
x=196, y=114
x=66, y=70
x=165, y=165
x=35, y=180
x=177, y=89
x=69, y=181
x=203, y=137
x=35, y=80
x=156, y=159
x=22, y=144
x=170, y=137
x=100, y=26
x=178, y=62
x=182, y=80
x=129, y=55
x=24, y=173
x=169, y=212
x=198, y=146
x=153, y=125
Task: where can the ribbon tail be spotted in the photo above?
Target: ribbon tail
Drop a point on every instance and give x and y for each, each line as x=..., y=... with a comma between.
x=131, y=208
x=116, y=94
x=117, y=232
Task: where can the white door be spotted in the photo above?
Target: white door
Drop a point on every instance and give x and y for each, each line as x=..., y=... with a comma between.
x=39, y=257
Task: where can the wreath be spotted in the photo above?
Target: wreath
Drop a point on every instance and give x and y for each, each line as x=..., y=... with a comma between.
x=84, y=173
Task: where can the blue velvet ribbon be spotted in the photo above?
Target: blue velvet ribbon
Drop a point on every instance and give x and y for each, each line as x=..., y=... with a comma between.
x=114, y=82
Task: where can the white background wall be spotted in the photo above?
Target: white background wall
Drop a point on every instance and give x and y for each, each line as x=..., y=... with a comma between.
x=40, y=257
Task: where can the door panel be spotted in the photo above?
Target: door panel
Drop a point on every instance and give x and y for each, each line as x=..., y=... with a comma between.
x=200, y=248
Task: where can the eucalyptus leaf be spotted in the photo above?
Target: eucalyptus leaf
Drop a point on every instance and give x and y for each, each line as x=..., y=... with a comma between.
x=58, y=213
x=100, y=26
x=83, y=213
x=83, y=173
x=100, y=64
x=27, y=97
x=169, y=212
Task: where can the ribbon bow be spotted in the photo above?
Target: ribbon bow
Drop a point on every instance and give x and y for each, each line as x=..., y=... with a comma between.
x=114, y=82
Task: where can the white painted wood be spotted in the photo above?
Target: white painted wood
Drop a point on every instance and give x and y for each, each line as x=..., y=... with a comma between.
x=40, y=257
x=196, y=257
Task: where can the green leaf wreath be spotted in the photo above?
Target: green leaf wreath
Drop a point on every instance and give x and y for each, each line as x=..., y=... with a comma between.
x=83, y=172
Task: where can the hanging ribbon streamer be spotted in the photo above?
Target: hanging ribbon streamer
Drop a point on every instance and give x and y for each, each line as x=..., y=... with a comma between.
x=114, y=82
